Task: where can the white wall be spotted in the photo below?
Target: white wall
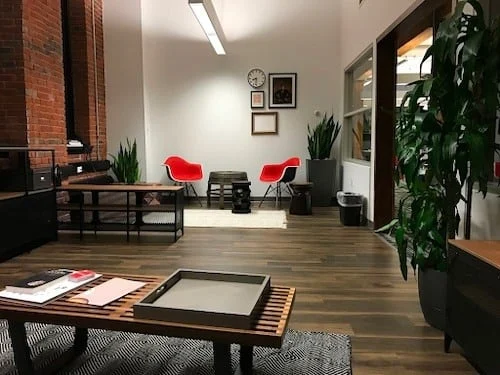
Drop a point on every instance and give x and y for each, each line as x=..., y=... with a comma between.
x=361, y=26
x=124, y=76
x=485, y=214
x=197, y=104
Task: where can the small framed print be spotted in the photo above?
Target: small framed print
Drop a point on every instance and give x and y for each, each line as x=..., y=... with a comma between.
x=264, y=123
x=282, y=90
x=257, y=99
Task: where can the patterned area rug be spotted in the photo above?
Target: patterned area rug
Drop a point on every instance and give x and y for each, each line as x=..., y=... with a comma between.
x=120, y=353
x=224, y=218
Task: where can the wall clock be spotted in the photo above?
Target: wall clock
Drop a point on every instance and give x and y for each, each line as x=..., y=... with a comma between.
x=256, y=77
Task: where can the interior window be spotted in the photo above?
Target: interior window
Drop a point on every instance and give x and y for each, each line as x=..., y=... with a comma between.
x=358, y=108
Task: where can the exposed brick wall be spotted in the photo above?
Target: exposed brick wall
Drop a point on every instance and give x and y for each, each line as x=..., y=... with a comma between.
x=12, y=100
x=44, y=77
x=32, y=101
x=101, y=81
x=83, y=15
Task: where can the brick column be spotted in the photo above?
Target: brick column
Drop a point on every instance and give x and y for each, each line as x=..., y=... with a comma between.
x=32, y=86
x=44, y=78
x=87, y=53
x=12, y=100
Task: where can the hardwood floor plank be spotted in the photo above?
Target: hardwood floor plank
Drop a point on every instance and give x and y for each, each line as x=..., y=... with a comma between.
x=347, y=279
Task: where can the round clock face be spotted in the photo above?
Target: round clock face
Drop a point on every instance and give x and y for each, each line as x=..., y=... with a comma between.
x=256, y=77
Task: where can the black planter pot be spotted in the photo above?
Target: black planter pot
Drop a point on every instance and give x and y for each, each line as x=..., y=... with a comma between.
x=322, y=174
x=432, y=293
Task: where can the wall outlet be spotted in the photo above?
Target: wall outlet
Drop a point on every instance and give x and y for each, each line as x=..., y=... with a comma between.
x=79, y=169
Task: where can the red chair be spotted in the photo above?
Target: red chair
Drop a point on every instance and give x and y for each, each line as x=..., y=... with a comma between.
x=278, y=174
x=183, y=172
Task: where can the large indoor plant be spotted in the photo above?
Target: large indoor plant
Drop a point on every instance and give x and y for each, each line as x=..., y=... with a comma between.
x=444, y=147
x=125, y=164
x=320, y=169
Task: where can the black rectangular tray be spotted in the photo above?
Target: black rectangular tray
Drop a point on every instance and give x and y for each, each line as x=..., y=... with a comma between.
x=222, y=299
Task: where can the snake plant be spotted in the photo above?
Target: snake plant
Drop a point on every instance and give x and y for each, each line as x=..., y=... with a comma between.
x=125, y=165
x=321, y=139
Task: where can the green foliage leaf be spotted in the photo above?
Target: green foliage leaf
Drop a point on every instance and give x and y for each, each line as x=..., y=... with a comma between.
x=387, y=227
x=125, y=165
x=439, y=149
x=321, y=139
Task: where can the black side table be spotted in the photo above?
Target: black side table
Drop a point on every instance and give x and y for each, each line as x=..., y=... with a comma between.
x=300, y=204
x=241, y=197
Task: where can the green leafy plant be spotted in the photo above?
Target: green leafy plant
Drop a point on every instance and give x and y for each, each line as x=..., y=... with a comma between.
x=321, y=139
x=442, y=148
x=125, y=165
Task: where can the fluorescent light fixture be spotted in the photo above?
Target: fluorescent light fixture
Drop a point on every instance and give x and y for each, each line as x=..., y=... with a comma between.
x=206, y=16
x=367, y=82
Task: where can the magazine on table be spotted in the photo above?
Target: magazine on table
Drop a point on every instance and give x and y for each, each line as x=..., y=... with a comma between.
x=38, y=282
x=50, y=290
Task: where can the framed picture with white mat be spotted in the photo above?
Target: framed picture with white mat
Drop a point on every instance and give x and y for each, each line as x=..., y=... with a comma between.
x=264, y=123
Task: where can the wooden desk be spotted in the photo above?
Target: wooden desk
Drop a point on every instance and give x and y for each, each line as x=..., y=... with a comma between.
x=177, y=208
x=473, y=301
x=268, y=328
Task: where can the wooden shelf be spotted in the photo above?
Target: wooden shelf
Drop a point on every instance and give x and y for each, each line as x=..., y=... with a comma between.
x=115, y=208
x=127, y=224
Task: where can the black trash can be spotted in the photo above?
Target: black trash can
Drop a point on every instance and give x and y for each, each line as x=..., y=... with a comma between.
x=350, y=208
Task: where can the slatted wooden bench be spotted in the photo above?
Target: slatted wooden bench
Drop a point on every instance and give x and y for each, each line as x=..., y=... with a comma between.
x=267, y=330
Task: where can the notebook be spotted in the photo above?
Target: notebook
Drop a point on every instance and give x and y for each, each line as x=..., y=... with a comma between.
x=53, y=291
x=38, y=282
x=107, y=292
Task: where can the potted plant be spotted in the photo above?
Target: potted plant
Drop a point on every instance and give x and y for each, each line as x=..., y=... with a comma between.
x=125, y=165
x=320, y=169
x=445, y=147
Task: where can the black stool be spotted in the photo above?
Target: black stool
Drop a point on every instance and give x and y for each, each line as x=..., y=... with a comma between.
x=241, y=197
x=300, y=203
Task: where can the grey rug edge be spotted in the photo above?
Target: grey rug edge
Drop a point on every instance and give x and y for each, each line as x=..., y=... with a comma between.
x=107, y=349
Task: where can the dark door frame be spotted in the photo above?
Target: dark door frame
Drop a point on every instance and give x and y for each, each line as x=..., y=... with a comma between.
x=429, y=14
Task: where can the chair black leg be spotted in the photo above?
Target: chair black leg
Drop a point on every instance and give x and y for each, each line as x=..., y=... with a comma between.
x=195, y=194
x=278, y=195
x=264, y=197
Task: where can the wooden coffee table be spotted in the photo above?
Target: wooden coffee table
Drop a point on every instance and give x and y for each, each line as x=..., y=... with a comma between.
x=267, y=330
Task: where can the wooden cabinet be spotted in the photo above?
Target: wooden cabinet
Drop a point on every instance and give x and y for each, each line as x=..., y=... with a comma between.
x=473, y=302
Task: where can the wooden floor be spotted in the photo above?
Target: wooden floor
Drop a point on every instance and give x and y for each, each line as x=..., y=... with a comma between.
x=347, y=281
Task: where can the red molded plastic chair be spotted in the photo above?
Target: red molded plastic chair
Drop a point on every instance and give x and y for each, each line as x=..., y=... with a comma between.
x=278, y=174
x=183, y=172
x=496, y=169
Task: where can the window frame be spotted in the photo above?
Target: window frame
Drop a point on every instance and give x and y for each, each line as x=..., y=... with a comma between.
x=349, y=114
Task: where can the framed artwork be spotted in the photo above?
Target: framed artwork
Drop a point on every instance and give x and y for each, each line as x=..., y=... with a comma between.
x=257, y=99
x=264, y=123
x=282, y=90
